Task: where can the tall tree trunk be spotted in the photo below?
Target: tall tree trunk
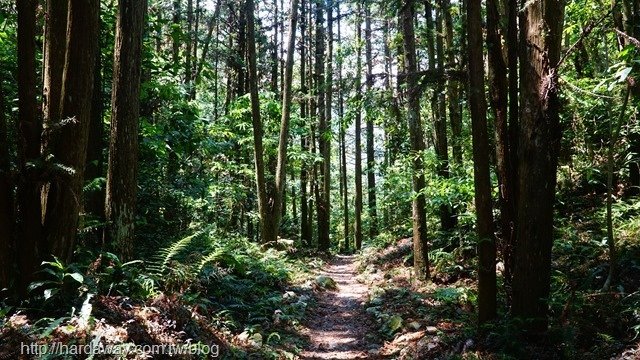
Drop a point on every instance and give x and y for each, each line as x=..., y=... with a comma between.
x=69, y=141
x=281, y=175
x=242, y=54
x=6, y=202
x=420, y=245
x=189, y=44
x=499, y=104
x=357, y=230
x=614, y=132
x=270, y=205
x=274, y=50
x=258, y=150
x=94, y=165
x=481, y=175
x=371, y=160
x=176, y=34
x=213, y=23
x=397, y=132
x=122, y=174
x=343, y=146
x=305, y=226
x=453, y=87
x=324, y=132
x=29, y=130
x=540, y=135
x=448, y=218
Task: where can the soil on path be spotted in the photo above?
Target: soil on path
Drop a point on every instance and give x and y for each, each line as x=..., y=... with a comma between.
x=338, y=326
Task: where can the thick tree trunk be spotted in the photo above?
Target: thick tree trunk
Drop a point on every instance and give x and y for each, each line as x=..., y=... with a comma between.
x=69, y=141
x=481, y=175
x=420, y=245
x=540, y=135
x=324, y=133
x=371, y=160
x=122, y=174
x=29, y=130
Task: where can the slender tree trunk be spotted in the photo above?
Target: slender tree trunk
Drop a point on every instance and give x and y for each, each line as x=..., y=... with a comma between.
x=324, y=132
x=274, y=50
x=343, y=147
x=269, y=205
x=305, y=226
x=213, y=23
x=29, y=130
x=614, y=131
x=481, y=175
x=420, y=245
x=396, y=132
x=176, y=34
x=122, y=174
x=453, y=87
x=540, y=136
x=6, y=202
x=448, y=218
x=358, y=132
x=257, y=124
x=94, y=165
x=371, y=161
x=189, y=44
x=69, y=143
x=281, y=175
x=499, y=105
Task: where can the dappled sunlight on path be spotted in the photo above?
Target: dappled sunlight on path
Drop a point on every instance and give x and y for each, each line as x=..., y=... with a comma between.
x=339, y=325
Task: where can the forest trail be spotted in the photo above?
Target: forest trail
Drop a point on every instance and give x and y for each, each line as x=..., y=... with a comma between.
x=338, y=326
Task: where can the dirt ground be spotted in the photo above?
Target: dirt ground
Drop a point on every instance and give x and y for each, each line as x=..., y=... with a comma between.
x=339, y=327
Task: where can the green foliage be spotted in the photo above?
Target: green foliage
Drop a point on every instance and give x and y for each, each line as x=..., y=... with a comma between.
x=62, y=284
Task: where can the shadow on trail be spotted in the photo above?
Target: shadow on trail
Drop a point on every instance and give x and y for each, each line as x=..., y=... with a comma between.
x=338, y=327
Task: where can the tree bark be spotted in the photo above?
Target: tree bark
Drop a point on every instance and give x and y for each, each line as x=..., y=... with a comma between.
x=120, y=204
x=448, y=218
x=420, y=245
x=453, y=87
x=6, y=202
x=176, y=34
x=540, y=135
x=357, y=230
x=481, y=175
x=504, y=154
x=324, y=133
x=270, y=205
x=94, y=165
x=343, y=147
x=29, y=130
x=305, y=226
x=69, y=141
x=371, y=161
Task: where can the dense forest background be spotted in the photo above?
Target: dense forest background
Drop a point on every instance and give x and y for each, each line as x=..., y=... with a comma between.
x=210, y=155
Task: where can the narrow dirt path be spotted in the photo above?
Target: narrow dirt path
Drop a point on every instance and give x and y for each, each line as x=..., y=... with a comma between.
x=338, y=325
